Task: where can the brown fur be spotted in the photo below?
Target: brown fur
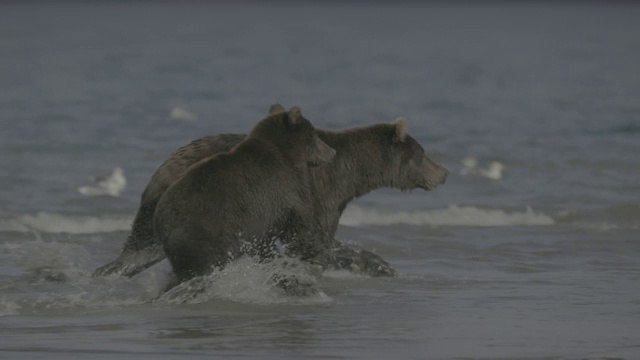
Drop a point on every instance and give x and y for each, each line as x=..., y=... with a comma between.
x=366, y=159
x=229, y=204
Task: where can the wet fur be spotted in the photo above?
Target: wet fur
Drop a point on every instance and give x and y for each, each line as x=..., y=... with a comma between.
x=362, y=164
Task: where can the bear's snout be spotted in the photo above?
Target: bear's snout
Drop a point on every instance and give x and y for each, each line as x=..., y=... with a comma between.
x=435, y=174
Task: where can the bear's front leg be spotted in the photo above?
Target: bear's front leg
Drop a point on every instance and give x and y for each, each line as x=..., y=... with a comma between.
x=359, y=261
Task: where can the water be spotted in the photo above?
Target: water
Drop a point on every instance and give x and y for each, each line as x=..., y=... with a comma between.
x=541, y=263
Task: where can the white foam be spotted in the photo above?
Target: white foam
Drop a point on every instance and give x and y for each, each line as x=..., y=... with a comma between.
x=71, y=224
x=451, y=216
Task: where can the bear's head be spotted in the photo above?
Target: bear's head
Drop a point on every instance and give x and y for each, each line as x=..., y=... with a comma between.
x=294, y=136
x=410, y=167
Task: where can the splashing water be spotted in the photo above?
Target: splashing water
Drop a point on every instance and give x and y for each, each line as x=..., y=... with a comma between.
x=246, y=280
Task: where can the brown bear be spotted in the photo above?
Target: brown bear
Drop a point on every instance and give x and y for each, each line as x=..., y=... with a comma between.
x=142, y=248
x=239, y=202
x=360, y=166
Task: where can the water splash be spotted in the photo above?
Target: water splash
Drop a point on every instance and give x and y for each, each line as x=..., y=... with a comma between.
x=248, y=281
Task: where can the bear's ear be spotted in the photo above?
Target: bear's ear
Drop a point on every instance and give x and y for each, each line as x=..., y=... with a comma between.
x=400, y=125
x=295, y=115
x=276, y=109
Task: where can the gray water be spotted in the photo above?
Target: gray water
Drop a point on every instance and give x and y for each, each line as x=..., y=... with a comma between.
x=541, y=263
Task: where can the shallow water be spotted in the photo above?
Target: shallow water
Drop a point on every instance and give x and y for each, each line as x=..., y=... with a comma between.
x=540, y=263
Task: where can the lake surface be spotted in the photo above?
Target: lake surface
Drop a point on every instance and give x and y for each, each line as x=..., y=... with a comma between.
x=541, y=262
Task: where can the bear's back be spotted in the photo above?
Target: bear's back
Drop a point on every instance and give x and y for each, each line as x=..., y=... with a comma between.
x=246, y=189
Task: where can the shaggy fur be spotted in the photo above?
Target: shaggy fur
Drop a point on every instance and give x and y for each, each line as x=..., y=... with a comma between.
x=367, y=158
x=229, y=204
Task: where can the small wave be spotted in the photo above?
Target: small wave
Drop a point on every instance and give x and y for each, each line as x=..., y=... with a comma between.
x=71, y=224
x=452, y=216
x=617, y=217
x=54, y=261
x=8, y=307
x=56, y=276
x=60, y=297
